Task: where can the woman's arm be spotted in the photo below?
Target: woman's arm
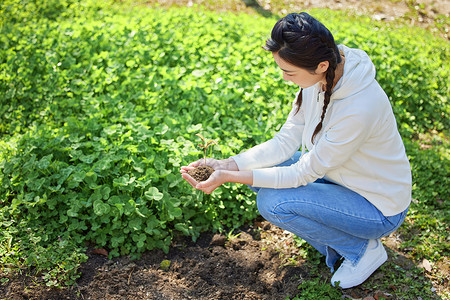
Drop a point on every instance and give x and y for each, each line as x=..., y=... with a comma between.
x=278, y=149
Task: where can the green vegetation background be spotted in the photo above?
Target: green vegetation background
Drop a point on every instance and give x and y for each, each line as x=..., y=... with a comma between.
x=100, y=103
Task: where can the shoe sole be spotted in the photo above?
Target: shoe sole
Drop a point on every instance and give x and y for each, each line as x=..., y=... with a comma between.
x=381, y=260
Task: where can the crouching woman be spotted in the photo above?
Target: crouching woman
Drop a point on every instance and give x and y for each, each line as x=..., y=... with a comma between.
x=350, y=184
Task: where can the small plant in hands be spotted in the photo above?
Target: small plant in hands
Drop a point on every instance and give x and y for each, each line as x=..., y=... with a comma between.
x=202, y=173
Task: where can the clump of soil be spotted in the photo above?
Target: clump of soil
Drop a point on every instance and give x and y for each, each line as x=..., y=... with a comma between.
x=201, y=173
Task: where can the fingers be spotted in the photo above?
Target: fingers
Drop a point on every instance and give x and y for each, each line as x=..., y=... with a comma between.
x=191, y=166
x=204, y=186
x=185, y=169
x=209, y=185
x=189, y=179
x=196, y=163
x=193, y=182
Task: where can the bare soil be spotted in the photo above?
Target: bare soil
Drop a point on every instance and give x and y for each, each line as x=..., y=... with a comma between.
x=201, y=173
x=260, y=261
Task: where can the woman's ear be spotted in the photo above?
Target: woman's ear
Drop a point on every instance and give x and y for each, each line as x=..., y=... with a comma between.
x=322, y=67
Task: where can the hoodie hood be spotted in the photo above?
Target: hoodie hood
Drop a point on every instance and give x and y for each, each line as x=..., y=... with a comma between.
x=359, y=72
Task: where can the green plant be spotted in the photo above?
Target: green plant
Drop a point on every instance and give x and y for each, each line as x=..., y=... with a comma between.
x=317, y=289
x=206, y=143
x=230, y=236
x=56, y=261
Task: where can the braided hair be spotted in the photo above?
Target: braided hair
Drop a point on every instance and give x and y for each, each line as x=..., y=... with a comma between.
x=302, y=41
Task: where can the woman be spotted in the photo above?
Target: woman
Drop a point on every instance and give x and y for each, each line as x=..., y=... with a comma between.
x=351, y=183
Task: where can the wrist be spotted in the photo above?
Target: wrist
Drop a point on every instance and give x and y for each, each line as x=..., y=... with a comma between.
x=244, y=177
x=231, y=164
x=223, y=175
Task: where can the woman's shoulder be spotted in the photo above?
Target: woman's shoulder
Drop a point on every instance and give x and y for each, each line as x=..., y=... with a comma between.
x=363, y=108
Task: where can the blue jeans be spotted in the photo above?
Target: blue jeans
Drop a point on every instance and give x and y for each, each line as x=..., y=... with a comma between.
x=333, y=219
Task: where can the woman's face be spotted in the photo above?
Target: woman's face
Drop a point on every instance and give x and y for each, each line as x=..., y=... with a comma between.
x=301, y=77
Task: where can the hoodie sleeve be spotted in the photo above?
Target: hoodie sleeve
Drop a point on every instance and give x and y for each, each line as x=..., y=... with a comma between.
x=342, y=138
x=278, y=149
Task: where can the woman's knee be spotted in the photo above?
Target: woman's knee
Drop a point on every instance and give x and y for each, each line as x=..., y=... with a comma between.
x=266, y=202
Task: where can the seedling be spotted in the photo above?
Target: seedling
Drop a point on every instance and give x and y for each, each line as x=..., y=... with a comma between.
x=202, y=173
x=206, y=144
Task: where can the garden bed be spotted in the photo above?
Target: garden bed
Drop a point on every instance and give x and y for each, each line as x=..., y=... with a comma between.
x=259, y=261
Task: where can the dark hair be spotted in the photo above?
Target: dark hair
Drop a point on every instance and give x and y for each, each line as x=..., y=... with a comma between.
x=302, y=41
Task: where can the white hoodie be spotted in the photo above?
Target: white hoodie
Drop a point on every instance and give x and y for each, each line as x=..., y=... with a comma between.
x=359, y=146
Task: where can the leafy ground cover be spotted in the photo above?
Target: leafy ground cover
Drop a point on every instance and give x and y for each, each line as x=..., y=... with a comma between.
x=100, y=106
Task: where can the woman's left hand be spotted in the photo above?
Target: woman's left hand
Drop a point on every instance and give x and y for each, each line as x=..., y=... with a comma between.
x=216, y=179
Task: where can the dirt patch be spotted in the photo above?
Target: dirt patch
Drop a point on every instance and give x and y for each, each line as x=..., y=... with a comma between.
x=256, y=262
x=243, y=266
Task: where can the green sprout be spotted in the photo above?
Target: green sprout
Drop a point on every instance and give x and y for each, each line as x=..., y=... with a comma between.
x=206, y=143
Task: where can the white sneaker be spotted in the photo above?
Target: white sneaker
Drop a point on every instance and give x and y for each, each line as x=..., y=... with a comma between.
x=349, y=275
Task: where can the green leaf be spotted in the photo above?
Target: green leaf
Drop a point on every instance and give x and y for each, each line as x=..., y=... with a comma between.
x=152, y=224
x=45, y=162
x=130, y=63
x=153, y=194
x=117, y=240
x=65, y=173
x=106, y=190
x=78, y=176
x=161, y=129
x=174, y=180
x=72, y=213
x=28, y=165
x=36, y=184
x=135, y=223
x=199, y=73
x=175, y=212
x=182, y=227
x=101, y=208
x=110, y=130
x=95, y=196
x=124, y=180
x=194, y=128
x=130, y=207
x=91, y=179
